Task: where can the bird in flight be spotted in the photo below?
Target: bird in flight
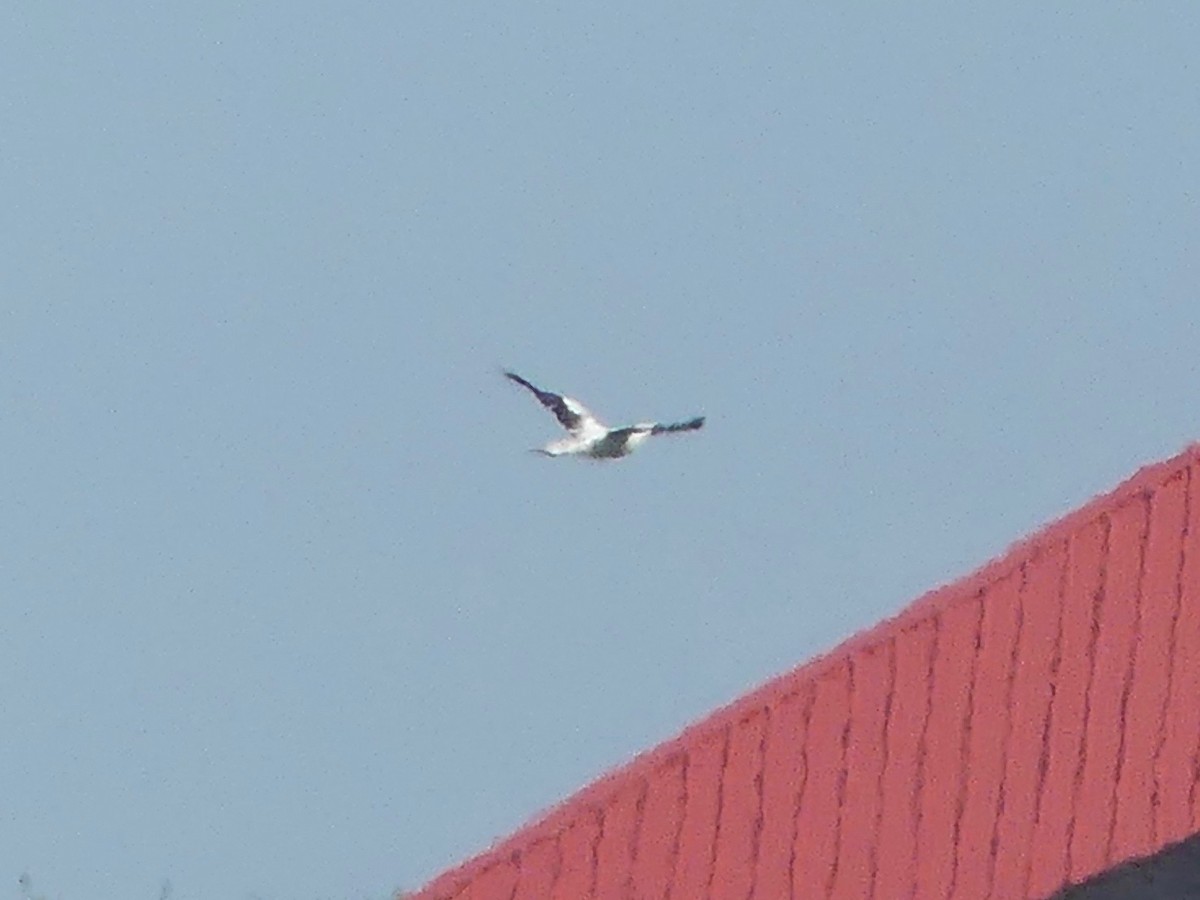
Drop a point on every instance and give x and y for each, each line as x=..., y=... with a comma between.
x=587, y=435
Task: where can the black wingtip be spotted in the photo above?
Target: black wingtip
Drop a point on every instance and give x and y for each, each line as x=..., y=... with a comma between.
x=675, y=428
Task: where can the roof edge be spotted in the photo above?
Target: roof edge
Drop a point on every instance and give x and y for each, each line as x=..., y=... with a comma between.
x=594, y=795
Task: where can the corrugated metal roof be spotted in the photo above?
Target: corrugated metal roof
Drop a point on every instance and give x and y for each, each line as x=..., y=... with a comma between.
x=1021, y=729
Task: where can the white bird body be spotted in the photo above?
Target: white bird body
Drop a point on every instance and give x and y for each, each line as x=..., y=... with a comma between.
x=587, y=435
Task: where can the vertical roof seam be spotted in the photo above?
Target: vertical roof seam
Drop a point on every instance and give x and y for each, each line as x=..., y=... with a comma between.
x=1173, y=643
x=842, y=773
x=884, y=758
x=760, y=799
x=726, y=739
x=677, y=840
x=635, y=833
x=809, y=703
x=1098, y=597
x=1050, y=719
x=918, y=806
x=964, y=736
x=1007, y=709
x=1129, y=674
x=598, y=812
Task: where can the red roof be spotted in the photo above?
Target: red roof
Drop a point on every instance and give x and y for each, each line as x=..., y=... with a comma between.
x=1026, y=727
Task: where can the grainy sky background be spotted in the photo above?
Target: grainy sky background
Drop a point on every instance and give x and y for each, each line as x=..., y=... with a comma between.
x=289, y=612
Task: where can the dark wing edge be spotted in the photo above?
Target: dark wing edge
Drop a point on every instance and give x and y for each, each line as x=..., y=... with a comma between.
x=550, y=400
x=674, y=427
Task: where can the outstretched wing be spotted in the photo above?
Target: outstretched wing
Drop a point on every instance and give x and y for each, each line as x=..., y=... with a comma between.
x=571, y=414
x=689, y=425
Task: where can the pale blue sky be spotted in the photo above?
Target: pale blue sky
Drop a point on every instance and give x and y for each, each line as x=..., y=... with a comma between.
x=288, y=610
